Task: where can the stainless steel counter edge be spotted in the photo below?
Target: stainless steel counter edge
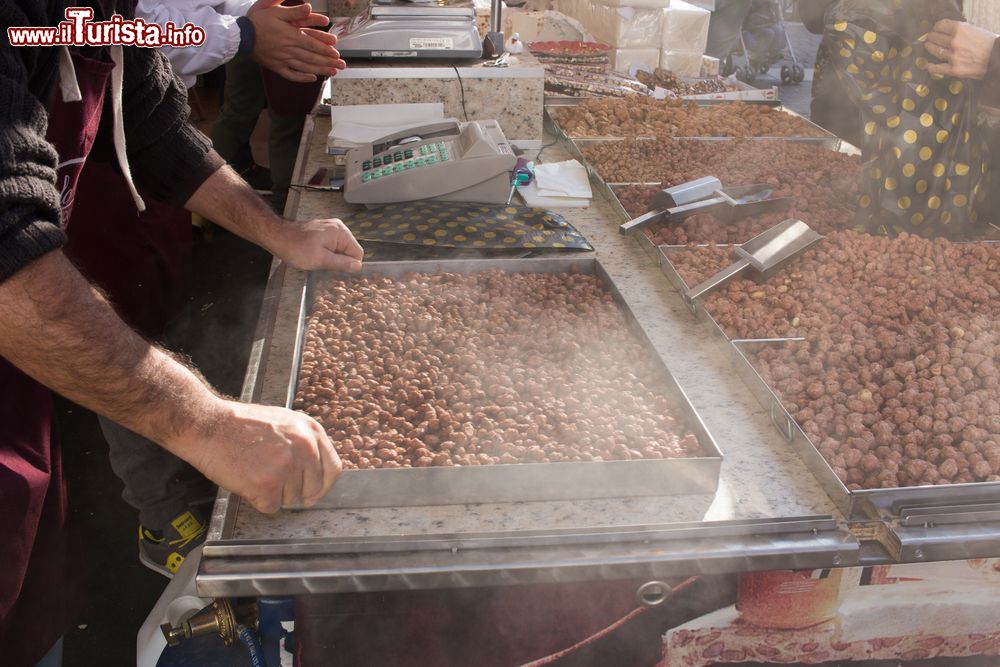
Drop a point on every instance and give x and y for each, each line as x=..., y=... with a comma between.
x=460, y=568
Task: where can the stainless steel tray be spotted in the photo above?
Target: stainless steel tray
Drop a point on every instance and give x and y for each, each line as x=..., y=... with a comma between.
x=609, y=189
x=758, y=96
x=826, y=138
x=866, y=503
x=663, y=257
x=577, y=145
x=523, y=481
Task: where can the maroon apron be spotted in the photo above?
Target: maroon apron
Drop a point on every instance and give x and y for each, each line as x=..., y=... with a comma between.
x=41, y=578
x=142, y=261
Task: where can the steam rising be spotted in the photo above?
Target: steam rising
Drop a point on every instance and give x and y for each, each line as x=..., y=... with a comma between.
x=449, y=369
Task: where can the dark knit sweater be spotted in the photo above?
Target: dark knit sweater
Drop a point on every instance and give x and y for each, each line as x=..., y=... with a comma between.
x=169, y=158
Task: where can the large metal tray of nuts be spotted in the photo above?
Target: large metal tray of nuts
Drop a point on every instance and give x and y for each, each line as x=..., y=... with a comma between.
x=858, y=504
x=520, y=481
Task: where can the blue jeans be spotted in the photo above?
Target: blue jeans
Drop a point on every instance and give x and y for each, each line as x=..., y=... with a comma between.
x=54, y=657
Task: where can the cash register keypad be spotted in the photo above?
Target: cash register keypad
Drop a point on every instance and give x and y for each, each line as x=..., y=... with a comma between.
x=400, y=160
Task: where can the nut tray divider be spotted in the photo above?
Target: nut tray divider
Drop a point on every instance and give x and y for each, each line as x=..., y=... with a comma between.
x=438, y=485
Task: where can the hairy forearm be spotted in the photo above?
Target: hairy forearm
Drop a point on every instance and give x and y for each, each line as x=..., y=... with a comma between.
x=305, y=244
x=62, y=332
x=227, y=200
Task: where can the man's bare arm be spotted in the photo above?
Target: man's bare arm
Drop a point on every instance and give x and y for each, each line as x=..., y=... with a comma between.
x=55, y=327
x=226, y=199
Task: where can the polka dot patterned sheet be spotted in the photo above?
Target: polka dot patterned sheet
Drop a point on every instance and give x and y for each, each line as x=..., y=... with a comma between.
x=924, y=168
x=451, y=225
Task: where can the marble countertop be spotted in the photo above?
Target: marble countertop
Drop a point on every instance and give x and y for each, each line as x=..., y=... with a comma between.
x=762, y=477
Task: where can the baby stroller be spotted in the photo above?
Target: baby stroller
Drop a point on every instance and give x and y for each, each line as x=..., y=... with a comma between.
x=763, y=42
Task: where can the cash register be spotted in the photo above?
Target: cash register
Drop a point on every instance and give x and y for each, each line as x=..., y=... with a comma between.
x=446, y=161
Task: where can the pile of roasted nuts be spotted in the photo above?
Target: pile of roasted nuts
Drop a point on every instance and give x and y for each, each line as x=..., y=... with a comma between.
x=649, y=117
x=897, y=381
x=734, y=162
x=822, y=184
x=448, y=369
x=707, y=228
x=696, y=264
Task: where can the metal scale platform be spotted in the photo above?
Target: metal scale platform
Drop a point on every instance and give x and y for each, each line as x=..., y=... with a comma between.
x=411, y=31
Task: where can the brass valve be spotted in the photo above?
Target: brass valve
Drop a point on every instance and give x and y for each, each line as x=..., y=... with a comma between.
x=218, y=618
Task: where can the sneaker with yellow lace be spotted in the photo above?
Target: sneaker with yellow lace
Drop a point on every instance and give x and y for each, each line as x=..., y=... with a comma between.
x=164, y=551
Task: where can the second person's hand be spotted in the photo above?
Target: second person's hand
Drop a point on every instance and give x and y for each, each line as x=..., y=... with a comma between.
x=287, y=43
x=963, y=48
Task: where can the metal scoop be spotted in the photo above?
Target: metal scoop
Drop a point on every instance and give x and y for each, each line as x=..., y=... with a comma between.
x=765, y=254
x=706, y=195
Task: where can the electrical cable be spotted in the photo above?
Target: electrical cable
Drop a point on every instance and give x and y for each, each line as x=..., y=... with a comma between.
x=249, y=639
x=461, y=86
x=313, y=188
x=538, y=158
x=549, y=659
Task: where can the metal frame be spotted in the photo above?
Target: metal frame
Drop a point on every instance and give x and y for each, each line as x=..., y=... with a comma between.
x=411, y=562
x=233, y=567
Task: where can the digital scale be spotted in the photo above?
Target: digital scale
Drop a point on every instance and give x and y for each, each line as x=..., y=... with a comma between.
x=410, y=31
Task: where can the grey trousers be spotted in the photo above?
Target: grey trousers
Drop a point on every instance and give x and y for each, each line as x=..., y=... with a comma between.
x=244, y=100
x=157, y=483
x=725, y=27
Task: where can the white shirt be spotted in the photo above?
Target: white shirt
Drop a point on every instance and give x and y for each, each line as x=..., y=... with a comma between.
x=222, y=35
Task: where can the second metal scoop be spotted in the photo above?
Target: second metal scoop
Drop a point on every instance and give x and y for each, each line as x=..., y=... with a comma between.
x=706, y=195
x=765, y=254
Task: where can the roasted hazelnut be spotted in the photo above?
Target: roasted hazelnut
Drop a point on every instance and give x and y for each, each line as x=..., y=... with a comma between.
x=382, y=373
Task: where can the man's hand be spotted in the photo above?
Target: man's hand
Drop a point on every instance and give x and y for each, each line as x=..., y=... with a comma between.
x=317, y=244
x=285, y=43
x=226, y=199
x=964, y=49
x=271, y=456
